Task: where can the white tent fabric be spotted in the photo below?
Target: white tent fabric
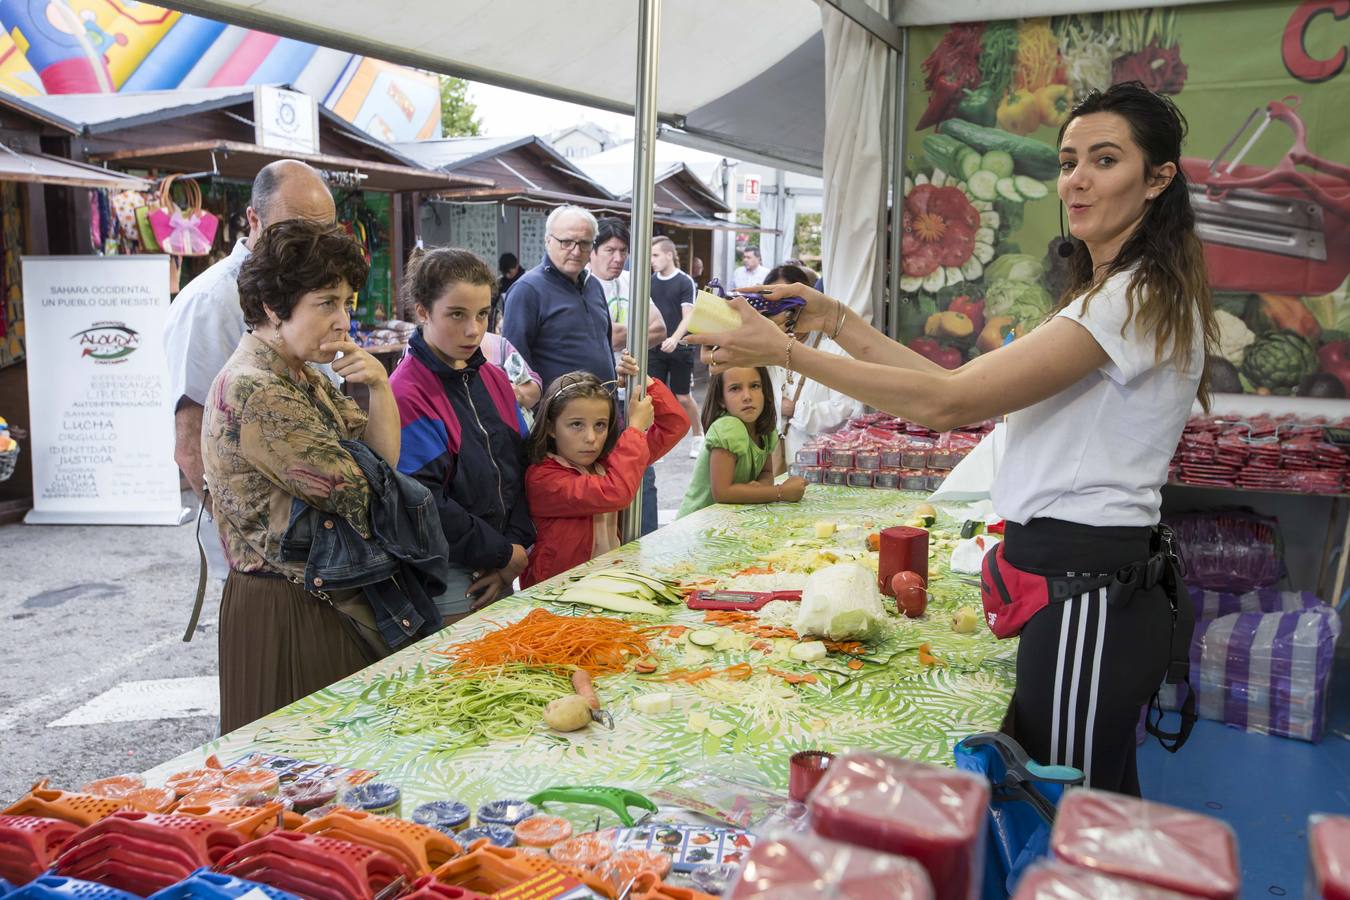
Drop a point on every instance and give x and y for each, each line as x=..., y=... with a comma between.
x=855, y=91
x=938, y=12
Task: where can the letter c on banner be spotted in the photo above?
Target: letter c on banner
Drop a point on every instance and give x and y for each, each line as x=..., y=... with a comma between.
x=1294, y=46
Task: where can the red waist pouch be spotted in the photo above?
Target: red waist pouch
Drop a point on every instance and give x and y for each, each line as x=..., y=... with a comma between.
x=1012, y=596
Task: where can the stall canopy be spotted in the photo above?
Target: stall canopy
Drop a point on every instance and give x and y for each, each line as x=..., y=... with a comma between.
x=21, y=158
x=518, y=168
x=211, y=131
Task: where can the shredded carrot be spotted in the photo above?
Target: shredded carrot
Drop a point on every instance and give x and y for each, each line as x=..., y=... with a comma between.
x=676, y=631
x=851, y=647
x=756, y=570
x=747, y=623
x=794, y=678
x=738, y=672
x=597, y=644
x=762, y=646
x=855, y=664
x=927, y=658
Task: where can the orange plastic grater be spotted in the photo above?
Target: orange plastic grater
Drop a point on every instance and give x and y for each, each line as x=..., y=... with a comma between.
x=28, y=844
x=537, y=865
x=250, y=822
x=418, y=848
x=78, y=809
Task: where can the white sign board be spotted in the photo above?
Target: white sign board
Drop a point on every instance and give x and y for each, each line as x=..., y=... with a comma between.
x=531, y=238
x=473, y=226
x=751, y=188
x=285, y=120
x=102, y=419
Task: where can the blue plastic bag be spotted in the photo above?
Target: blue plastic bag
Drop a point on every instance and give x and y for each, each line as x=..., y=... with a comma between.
x=1021, y=809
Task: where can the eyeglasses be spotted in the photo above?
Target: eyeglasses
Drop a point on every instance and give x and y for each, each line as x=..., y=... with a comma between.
x=569, y=245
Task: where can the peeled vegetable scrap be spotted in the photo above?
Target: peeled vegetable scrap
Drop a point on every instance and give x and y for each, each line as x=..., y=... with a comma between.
x=841, y=603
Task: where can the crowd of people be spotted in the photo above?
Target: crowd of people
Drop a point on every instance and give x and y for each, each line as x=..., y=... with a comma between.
x=499, y=453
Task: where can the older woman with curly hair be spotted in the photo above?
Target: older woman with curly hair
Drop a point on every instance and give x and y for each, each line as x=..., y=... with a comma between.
x=271, y=435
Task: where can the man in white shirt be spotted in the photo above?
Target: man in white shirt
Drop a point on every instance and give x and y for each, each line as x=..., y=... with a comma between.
x=205, y=321
x=752, y=272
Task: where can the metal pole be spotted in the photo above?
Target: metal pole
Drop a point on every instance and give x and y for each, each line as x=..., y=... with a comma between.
x=898, y=140
x=644, y=187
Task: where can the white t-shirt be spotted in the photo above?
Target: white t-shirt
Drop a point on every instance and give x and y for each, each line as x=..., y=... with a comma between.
x=743, y=277
x=204, y=327
x=1097, y=453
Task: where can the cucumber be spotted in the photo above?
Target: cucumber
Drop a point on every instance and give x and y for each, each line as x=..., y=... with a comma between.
x=1030, y=187
x=1008, y=191
x=969, y=163
x=703, y=638
x=972, y=269
x=983, y=185
x=1030, y=158
x=999, y=162
x=939, y=177
x=935, y=280
x=954, y=276
x=909, y=284
x=943, y=152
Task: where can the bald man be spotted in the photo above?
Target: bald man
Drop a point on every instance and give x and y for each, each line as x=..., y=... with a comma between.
x=205, y=321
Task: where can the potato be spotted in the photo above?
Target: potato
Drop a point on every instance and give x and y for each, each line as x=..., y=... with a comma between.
x=567, y=713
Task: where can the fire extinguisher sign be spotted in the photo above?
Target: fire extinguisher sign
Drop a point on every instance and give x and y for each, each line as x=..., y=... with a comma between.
x=750, y=188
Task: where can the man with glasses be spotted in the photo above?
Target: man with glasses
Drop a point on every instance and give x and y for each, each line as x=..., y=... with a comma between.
x=556, y=316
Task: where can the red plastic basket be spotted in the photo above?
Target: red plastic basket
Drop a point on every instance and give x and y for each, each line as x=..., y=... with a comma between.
x=345, y=870
x=203, y=840
x=28, y=844
x=428, y=888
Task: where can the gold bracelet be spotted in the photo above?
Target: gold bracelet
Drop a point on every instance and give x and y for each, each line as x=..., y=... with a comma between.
x=787, y=359
x=839, y=323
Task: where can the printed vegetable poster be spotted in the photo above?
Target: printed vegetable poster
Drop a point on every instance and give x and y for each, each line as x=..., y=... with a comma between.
x=1263, y=86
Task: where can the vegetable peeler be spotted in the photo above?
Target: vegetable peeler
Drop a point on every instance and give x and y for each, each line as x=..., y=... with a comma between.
x=616, y=800
x=1249, y=217
x=743, y=600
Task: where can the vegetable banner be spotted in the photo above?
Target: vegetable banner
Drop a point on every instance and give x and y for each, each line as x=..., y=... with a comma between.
x=1267, y=156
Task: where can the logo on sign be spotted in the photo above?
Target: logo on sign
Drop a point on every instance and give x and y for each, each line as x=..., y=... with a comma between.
x=107, y=342
x=751, y=186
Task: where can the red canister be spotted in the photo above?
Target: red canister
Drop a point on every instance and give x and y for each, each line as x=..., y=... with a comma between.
x=903, y=549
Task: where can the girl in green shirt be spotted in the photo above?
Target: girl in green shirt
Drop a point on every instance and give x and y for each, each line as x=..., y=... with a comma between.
x=736, y=462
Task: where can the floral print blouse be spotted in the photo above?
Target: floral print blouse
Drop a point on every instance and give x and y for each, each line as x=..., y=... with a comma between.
x=270, y=435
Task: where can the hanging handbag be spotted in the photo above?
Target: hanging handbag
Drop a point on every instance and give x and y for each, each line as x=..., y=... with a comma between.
x=125, y=204
x=183, y=232
x=145, y=232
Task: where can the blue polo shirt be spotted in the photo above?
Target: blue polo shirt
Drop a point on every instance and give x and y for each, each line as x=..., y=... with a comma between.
x=559, y=324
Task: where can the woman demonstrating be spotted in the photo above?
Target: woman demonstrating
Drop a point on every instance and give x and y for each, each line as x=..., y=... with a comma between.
x=1096, y=399
x=271, y=436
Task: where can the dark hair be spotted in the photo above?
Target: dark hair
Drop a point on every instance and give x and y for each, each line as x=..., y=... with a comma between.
x=751, y=249
x=563, y=390
x=1169, y=293
x=789, y=273
x=611, y=227
x=431, y=273
x=265, y=185
x=714, y=405
x=291, y=259
x=506, y=262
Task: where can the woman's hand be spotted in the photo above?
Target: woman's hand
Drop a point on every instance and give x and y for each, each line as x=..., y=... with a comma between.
x=669, y=345
x=758, y=342
x=356, y=365
x=787, y=408
x=819, y=314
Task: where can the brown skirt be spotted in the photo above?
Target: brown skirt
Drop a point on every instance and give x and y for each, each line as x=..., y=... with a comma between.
x=279, y=643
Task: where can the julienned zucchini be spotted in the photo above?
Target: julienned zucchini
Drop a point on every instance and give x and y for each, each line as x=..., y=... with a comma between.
x=1031, y=158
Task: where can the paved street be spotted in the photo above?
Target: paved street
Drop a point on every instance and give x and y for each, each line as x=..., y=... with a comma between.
x=95, y=679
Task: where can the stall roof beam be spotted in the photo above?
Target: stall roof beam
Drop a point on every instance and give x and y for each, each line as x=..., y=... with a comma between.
x=39, y=168
x=231, y=159
x=880, y=27
x=545, y=198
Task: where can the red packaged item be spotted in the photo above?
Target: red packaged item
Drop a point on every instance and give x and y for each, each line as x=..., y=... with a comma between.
x=806, y=866
x=837, y=477
x=860, y=478
x=1147, y=842
x=1329, y=857
x=932, y=814
x=28, y=844
x=1052, y=880
x=904, y=548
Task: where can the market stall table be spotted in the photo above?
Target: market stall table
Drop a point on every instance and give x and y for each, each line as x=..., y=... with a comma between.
x=888, y=701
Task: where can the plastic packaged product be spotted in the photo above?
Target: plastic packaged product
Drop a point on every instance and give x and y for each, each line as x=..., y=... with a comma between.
x=185, y=782
x=1329, y=857
x=913, y=480
x=1051, y=880
x=943, y=459
x=376, y=797
x=584, y=851
x=867, y=459
x=914, y=458
x=505, y=812
x=932, y=814
x=446, y=815
x=859, y=478
x=841, y=457
x=714, y=878
x=247, y=782
x=542, y=832
x=623, y=868
x=889, y=480
x=1229, y=550
x=807, y=866
x=216, y=796
x=116, y=787
x=1148, y=842
x=309, y=794
x=795, y=470
x=836, y=476
x=152, y=799
x=808, y=456
x=813, y=474
x=892, y=457
x=497, y=835
x=933, y=482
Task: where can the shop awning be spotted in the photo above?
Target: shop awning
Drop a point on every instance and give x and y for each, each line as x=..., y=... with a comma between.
x=40, y=168
x=537, y=198
x=231, y=159
x=703, y=223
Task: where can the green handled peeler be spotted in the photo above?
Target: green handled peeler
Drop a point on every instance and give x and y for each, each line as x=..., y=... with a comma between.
x=617, y=800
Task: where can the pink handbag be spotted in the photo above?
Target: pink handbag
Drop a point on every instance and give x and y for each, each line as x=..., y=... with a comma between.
x=183, y=232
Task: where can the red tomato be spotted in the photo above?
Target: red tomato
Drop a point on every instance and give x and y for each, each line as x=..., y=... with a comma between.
x=912, y=600
x=901, y=580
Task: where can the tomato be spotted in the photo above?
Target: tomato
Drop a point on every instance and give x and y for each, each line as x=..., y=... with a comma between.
x=912, y=601
x=901, y=580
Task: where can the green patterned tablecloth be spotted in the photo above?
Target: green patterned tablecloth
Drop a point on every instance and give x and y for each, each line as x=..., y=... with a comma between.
x=897, y=705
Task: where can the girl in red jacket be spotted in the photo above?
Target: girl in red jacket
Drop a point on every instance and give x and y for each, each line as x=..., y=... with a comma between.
x=583, y=469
